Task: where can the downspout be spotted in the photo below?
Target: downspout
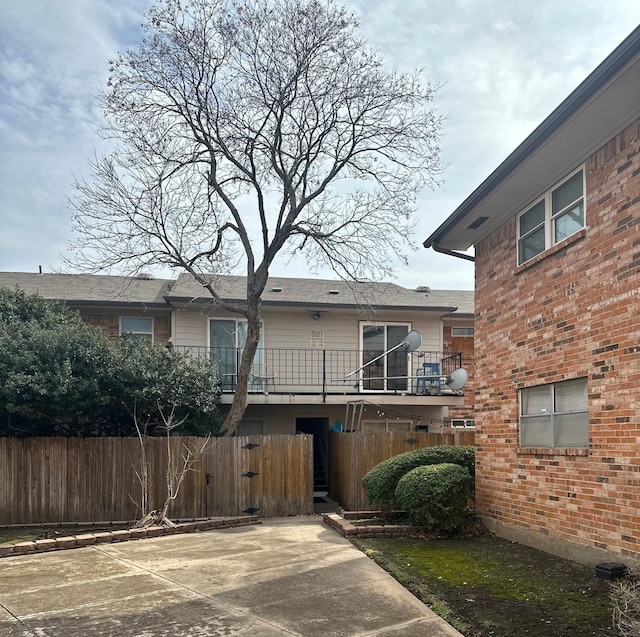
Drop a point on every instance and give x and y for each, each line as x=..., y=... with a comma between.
x=451, y=253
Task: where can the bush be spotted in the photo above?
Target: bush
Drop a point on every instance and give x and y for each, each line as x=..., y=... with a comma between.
x=53, y=369
x=60, y=376
x=381, y=482
x=152, y=378
x=436, y=495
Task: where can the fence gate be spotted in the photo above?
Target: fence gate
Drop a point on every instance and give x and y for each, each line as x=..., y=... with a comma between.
x=94, y=479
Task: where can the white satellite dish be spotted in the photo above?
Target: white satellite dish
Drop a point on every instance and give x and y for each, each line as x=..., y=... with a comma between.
x=411, y=342
x=457, y=379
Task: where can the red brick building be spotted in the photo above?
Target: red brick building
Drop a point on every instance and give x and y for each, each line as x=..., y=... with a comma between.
x=556, y=230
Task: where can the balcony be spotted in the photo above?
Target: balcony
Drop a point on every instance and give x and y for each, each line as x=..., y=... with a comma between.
x=325, y=372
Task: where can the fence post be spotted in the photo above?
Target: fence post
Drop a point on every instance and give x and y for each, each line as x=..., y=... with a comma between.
x=324, y=375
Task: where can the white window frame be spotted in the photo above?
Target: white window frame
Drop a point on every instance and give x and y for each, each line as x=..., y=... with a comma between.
x=550, y=218
x=138, y=332
x=362, y=378
x=553, y=417
x=232, y=372
x=471, y=332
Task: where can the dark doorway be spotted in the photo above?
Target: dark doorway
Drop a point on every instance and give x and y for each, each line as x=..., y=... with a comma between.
x=318, y=428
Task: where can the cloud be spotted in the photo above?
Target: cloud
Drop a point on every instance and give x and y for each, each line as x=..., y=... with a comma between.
x=502, y=66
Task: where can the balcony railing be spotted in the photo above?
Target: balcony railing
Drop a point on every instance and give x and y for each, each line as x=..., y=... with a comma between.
x=325, y=371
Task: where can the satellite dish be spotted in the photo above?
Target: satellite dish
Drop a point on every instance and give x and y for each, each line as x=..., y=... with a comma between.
x=457, y=379
x=412, y=341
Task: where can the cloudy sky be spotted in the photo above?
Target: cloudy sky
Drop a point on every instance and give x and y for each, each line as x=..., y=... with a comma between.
x=503, y=65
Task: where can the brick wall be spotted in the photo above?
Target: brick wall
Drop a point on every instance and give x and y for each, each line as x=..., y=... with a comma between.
x=573, y=311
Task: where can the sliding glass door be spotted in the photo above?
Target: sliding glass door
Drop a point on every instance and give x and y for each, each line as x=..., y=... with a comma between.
x=227, y=338
x=390, y=371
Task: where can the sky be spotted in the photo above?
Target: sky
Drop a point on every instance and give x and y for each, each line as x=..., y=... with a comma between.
x=502, y=67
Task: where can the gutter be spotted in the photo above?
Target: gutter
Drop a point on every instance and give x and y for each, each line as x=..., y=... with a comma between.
x=172, y=300
x=153, y=305
x=451, y=253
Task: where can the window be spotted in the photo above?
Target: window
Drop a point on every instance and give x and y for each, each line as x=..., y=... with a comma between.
x=555, y=415
x=462, y=422
x=553, y=218
x=462, y=331
x=142, y=327
x=226, y=341
x=385, y=372
x=250, y=428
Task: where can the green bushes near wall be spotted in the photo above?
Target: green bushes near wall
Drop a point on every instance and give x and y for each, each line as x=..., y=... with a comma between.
x=436, y=495
x=380, y=483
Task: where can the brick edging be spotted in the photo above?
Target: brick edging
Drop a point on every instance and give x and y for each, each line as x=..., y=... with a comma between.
x=343, y=526
x=124, y=535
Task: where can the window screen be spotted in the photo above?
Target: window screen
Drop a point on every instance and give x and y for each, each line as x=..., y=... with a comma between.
x=555, y=415
x=138, y=326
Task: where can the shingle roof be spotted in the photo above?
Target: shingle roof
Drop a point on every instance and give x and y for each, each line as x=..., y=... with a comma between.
x=321, y=292
x=89, y=288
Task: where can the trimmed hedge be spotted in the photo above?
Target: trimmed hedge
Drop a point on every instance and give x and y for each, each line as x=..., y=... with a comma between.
x=436, y=495
x=380, y=483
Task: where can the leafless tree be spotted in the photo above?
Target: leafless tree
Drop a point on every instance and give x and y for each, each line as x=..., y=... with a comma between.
x=249, y=129
x=178, y=466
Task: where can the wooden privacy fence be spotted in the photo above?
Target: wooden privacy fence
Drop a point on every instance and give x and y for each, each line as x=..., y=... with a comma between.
x=94, y=479
x=352, y=455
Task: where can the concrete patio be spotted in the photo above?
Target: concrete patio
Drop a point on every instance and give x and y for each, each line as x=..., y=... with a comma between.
x=287, y=576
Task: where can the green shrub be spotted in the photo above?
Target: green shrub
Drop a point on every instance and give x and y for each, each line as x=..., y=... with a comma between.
x=436, y=495
x=60, y=376
x=381, y=482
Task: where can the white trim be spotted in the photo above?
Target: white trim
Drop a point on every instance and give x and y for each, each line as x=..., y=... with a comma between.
x=361, y=379
x=462, y=327
x=548, y=223
x=138, y=318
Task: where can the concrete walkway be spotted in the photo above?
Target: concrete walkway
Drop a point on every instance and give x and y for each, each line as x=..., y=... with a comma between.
x=287, y=576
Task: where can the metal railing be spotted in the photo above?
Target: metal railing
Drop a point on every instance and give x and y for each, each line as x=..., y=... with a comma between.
x=325, y=371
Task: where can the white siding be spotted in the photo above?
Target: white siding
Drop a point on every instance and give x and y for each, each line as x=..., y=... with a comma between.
x=291, y=328
x=190, y=328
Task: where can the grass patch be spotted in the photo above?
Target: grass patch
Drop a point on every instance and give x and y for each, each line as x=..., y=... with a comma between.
x=489, y=587
x=9, y=536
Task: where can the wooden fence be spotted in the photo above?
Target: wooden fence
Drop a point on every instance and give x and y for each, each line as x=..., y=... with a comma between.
x=94, y=479
x=352, y=455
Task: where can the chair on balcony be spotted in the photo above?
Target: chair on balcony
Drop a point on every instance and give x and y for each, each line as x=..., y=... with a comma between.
x=428, y=379
x=260, y=377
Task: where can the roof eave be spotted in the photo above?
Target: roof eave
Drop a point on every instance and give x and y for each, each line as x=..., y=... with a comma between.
x=313, y=304
x=111, y=304
x=622, y=55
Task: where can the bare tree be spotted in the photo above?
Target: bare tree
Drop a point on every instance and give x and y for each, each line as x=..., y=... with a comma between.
x=178, y=466
x=250, y=129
